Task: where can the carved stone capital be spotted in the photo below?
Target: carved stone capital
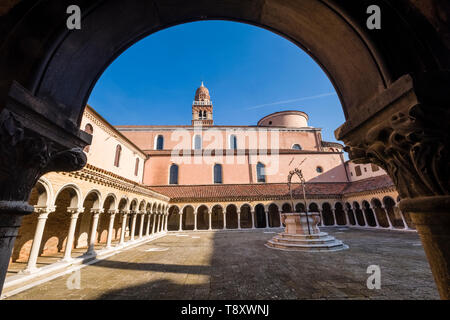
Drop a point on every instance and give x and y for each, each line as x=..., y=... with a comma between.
x=34, y=141
x=410, y=139
x=25, y=156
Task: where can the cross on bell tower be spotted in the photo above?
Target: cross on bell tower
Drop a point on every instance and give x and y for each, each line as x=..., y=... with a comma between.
x=202, y=107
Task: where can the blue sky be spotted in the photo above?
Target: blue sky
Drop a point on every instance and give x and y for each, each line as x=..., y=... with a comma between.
x=250, y=72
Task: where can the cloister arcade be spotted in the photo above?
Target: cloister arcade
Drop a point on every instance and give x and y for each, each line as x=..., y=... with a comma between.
x=75, y=221
x=373, y=213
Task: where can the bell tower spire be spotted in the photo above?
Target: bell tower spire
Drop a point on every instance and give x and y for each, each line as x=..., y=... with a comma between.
x=202, y=107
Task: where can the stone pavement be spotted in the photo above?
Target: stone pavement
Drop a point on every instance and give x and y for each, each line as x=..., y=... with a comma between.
x=237, y=265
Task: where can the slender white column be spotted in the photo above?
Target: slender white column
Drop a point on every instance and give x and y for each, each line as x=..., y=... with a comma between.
x=406, y=227
x=112, y=216
x=153, y=217
x=37, y=240
x=167, y=222
x=159, y=222
x=253, y=214
x=210, y=220
x=74, y=212
x=224, y=219
x=364, y=217
x=322, y=223
x=334, y=217
x=141, y=226
x=181, y=222
x=133, y=224
x=387, y=217
x=377, y=225
x=92, y=238
x=147, y=230
x=347, y=219
x=239, y=219
x=195, y=221
x=266, y=212
x=124, y=226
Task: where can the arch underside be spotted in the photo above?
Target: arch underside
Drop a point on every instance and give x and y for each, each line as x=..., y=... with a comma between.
x=66, y=64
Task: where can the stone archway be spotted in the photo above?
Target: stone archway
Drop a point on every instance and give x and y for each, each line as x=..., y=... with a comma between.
x=396, y=100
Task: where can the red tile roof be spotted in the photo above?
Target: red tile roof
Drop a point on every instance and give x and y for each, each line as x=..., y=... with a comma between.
x=244, y=192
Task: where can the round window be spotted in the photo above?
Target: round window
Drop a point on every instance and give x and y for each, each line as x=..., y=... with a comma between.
x=319, y=169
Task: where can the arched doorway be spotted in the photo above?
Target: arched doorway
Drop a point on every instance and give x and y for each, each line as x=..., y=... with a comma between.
x=246, y=216
x=260, y=216
x=350, y=214
x=217, y=217
x=231, y=217
x=380, y=213
x=340, y=214
x=327, y=214
x=359, y=214
x=188, y=218
x=174, y=219
x=203, y=218
x=368, y=212
x=274, y=216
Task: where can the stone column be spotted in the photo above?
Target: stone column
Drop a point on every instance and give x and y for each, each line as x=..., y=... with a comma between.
x=112, y=216
x=239, y=219
x=147, y=230
x=159, y=222
x=322, y=223
x=124, y=226
x=334, y=217
x=210, y=220
x=195, y=221
x=406, y=133
x=403, y=219
x=345, y=217
x=34, y=141
x=74, y=212
x=387, y=217
x=37, y=240
x=266, y=213
x=377, y=225
x=96, y=215
x=133, y=225
x=153, y=215
x=253, y=214
x=141, y=226
x=431, y=216
x=224, y=219
x=364, y=217
x=167, y=222
x=181, y=222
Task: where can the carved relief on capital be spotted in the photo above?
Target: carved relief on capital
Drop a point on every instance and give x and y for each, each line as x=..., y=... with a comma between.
x=25, y=156
x=412, y=147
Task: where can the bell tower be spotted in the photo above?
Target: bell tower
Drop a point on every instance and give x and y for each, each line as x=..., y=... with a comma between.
x=202, y=108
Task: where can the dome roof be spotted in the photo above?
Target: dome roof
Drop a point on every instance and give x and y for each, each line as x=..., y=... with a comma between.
x=202, y=93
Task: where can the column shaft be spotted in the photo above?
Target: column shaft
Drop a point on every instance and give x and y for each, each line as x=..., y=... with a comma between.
x=70, y=236
x=37, y=240
x=110, y=229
